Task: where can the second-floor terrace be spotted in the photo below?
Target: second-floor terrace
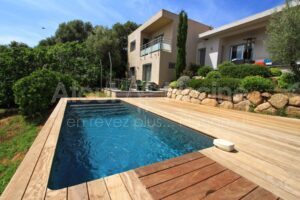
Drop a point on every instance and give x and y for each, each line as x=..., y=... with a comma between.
x=157, y=44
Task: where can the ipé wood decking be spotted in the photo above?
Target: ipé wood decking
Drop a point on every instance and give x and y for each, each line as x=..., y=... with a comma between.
x=268, y=156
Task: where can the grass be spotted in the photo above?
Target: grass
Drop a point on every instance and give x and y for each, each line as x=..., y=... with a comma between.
x=16, y=137
x=2, y=110
x=95, y=94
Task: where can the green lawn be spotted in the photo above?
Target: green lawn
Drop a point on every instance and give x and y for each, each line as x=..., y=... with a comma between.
x=16, y=137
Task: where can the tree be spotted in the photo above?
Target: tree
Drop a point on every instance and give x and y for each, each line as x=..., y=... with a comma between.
x=75, y=30
x=181, y=43
x=284, y=36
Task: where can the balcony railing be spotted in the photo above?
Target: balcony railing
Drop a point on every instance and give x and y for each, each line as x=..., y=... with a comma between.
x=156, y=45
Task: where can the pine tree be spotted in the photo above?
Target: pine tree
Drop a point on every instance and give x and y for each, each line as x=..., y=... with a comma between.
x=181, y=43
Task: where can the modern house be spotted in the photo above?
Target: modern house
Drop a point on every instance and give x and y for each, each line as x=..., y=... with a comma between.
x=152, y=47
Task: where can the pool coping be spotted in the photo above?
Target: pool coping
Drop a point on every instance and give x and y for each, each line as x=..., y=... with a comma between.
x=31, y=178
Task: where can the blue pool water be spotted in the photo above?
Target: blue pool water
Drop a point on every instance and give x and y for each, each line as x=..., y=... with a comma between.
x=99, y=139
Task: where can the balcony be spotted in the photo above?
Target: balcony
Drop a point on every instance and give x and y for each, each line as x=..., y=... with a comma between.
x=159, y=44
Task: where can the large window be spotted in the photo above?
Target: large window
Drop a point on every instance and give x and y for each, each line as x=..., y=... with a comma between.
x=132, y=46
x=241, y=52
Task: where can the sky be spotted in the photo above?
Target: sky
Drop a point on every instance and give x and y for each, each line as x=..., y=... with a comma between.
x=22, y=20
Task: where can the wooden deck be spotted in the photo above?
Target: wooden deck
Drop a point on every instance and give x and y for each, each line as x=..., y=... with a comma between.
x=268, y=157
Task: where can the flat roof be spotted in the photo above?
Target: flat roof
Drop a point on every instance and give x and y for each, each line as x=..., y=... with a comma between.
x=243, y=22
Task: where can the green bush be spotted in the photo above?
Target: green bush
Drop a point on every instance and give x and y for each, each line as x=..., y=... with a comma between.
x=183, y=82
x=275, y=71
x=125, y=85
x=34, y=94
x=257, y=83
x=187, y=72
x=286, y=80
x=214, y=75
x=203, y=71
x=226, y=86
x=244, y=70
x=225, y=64
x=173, y=84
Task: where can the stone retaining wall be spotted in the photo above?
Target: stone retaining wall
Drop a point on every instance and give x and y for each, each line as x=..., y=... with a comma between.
x=256, y=101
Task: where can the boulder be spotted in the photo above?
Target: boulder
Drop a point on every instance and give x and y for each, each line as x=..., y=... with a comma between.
x=225, y=97
x=185, y=91
x=266, y=94
x=293, y=111
x=255, y=97
x=226, y=104
x=279, y=100
x=209, y=102
x=294, y=101
x=170, y=90
x=178, y=92
x=186, y=98
x=237, y=98
x=202, y=96
x=194, y=94
x=262, y=107
x=169, y=94
x=173, y=96
x=196, y=101
x=270, y=110
x=212, y=96
x=243, y=105
x=179, y=97
x=174, y=91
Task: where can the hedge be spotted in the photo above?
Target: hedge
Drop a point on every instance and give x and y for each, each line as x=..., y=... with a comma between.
x=257, y=83
x=203, y=71
x=244, y=70
x=213, y=75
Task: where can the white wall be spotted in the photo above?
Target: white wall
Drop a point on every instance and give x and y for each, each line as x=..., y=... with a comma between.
x=212, y=55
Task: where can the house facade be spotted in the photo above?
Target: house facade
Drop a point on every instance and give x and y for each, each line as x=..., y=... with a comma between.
x=152, y=47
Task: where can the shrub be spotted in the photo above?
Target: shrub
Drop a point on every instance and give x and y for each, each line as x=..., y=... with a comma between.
x=213, y=75
x=275, y=71
x=226, y=86
x=183, y=81
x=34, y=93
x=125, y=85
x=203, y=71
x=244, y=70
x=173, y=84
x=225, y=64
x=187, y=72
x=257, y=83
x=286, y=80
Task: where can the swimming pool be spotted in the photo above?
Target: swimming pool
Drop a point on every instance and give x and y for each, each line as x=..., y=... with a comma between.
x=98, y=139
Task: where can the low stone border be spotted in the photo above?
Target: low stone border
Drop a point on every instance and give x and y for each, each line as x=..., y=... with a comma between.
x=255, y=101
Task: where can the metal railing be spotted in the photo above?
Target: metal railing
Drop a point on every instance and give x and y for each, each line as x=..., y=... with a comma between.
x=156, y=45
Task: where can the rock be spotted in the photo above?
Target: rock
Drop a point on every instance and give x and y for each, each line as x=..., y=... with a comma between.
x=178, y=92
x=173, y=96
x=186, y=98
x=196, y=101
x=293, y=111
x=266, y=94
x=179, y=97
x=170, y=90
x=209, y=102
x=255, y=97
x=237, y=98
x=212, y=96
x=270, y=110
x=169, y=94
x=243, y=105
x=194, y=94
x=185, y=91
x=174, y=91
x=224, y=97
x=226, y=104
x=278, y=100
x=198, y=77
x=262, y=107
x=202, y=96
x=294, y=101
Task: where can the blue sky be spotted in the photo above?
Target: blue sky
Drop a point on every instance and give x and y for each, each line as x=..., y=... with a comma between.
x=22, y=20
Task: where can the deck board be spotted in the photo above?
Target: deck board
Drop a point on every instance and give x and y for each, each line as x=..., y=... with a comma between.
x=97, y=190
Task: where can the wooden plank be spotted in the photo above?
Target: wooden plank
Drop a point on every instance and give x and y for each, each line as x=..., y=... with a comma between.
x=260, y=193
x=143, y=171
x=78, y=192
x=116, y=188
x=38, y=183
x=56, y=194
x=233, y=191
x=18, y=183
x=134, y=186
x=202, y=189
x=174, y=185
x=97, y=190
x=165, y=175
